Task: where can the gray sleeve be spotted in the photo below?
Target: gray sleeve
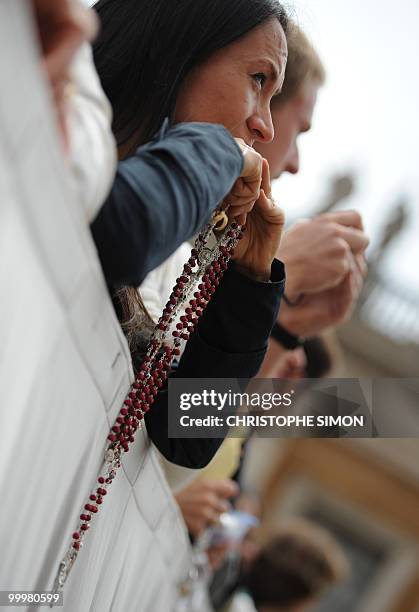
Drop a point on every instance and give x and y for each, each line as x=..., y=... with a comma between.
x=162, y=196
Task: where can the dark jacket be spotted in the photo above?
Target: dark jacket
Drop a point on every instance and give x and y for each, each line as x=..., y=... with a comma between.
x=230, y=342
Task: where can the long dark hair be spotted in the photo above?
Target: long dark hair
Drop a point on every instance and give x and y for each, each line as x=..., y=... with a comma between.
x=144, y=51
x=146, y=48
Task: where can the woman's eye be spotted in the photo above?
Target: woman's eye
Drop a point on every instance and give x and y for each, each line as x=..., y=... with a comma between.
x=260, y=78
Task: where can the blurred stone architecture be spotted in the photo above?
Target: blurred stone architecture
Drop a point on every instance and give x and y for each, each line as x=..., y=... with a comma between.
x=382, y=338
x=341, y=186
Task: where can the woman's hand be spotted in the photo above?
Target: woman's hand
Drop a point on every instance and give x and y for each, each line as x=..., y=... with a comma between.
x=264, y=226
x=246, y=189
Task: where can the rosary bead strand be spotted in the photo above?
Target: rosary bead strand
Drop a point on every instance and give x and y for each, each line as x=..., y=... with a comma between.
x=191, y=294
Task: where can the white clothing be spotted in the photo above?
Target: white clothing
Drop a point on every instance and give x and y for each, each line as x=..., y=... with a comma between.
x=158, y=284
x=64, y=371
x=241, y=602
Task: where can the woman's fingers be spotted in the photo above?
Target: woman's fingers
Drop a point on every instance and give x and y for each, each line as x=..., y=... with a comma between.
x=242, y=219
x=269, y=210
x=266, y=178
x=252, y=163
x=236, y=211
x=250, y=178
x=247, y=188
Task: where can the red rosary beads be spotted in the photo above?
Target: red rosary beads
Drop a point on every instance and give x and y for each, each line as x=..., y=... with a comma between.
x=199, y=280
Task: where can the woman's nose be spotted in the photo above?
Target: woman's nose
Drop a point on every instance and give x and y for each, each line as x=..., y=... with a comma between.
x=261, y=126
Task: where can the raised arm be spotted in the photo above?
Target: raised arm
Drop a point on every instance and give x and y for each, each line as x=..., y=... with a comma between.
x=162, y=196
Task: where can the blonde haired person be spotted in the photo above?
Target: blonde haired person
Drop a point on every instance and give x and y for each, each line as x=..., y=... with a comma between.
x=324, y=256
x=319, y=255
x=292, y=109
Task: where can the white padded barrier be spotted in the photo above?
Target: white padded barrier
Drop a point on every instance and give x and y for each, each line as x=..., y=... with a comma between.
x=64, y=372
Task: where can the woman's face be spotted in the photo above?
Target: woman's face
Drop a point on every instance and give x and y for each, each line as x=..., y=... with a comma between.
x=234, y=87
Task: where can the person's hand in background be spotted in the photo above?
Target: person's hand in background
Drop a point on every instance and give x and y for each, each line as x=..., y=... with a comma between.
x=318, y=254
x=325, y=267
x=63, y=26
x=216, y=555
x=292, y=365
x=320, y=311
x=282, y=363
x=202, y=501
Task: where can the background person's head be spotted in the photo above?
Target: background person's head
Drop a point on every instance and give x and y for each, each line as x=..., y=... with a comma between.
x=295, y=567
x=292, y=110
x=195, y=60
